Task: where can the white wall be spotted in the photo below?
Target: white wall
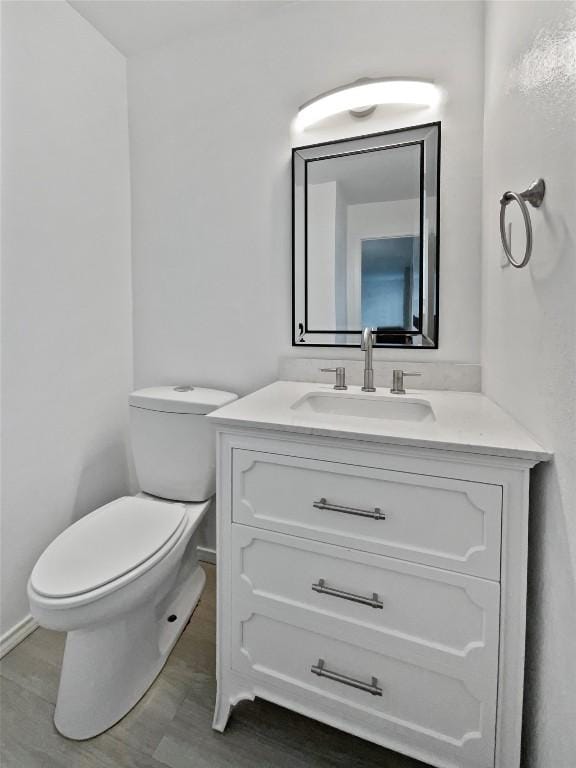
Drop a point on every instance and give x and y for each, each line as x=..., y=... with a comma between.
x=340, y=253
x=529, y=332
x=210, y=128
x=66, y=307
x=321, y=200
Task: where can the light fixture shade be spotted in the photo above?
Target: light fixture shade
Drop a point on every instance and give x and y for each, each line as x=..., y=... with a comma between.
x=364, y=93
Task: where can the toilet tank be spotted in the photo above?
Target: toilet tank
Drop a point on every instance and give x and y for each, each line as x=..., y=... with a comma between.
x=173, y=442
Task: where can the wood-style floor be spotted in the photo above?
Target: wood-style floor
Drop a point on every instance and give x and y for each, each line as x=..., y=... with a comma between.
x=171, y=725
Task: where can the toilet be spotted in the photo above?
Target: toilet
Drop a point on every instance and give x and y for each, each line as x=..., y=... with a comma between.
x=123, y=580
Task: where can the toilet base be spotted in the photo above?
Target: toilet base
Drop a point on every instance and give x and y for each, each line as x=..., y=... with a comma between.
x=107, y=669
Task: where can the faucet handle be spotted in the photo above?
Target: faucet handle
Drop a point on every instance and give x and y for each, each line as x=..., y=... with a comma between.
x=398, y=380
x=340, y=376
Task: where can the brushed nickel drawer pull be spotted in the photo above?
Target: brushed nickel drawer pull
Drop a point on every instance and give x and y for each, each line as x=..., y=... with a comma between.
x=373, y=601
x=375, y=514
x=372, y=687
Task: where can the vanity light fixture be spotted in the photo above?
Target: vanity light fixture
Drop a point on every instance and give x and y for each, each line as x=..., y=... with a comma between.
x=363, y=96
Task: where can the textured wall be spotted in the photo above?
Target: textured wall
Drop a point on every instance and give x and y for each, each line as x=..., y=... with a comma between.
x=529, y=327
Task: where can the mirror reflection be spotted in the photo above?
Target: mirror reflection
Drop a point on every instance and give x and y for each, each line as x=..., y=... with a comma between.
x=365, y=240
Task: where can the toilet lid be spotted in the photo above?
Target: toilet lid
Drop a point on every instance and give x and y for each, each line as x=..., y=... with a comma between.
x=105, y=545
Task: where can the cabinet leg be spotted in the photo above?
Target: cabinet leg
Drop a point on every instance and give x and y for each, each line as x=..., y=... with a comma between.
x=222, y=710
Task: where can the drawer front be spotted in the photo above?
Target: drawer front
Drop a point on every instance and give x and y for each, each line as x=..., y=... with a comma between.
x=415, y=609
x=446, y=717
x=439, y=521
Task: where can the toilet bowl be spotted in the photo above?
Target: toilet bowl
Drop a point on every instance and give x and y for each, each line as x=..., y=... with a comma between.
x=125, y=615
x=123, y=580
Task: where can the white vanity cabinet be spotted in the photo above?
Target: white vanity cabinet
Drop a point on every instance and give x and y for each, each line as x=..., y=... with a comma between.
x=378, y=588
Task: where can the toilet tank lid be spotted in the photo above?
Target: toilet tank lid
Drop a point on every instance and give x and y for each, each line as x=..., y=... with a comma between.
x=181, y=399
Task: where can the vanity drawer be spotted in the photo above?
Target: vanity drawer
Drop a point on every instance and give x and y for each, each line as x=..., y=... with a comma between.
x=445, y=715
x=402, y=604
x=439, y=521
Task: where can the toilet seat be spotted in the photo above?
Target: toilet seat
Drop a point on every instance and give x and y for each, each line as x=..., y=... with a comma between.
x=106, y=547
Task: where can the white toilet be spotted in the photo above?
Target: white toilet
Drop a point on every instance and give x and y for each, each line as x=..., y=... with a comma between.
x=124, y=580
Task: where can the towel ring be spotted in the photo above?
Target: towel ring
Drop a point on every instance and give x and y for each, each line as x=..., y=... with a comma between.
x=534, y=195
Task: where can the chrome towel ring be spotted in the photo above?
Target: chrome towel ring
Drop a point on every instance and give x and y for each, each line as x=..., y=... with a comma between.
x=533, y=195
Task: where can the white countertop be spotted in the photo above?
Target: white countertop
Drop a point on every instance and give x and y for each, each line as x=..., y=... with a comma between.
x=464, y=421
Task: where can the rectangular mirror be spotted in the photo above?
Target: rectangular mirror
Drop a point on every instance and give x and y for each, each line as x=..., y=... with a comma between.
x=365, y=239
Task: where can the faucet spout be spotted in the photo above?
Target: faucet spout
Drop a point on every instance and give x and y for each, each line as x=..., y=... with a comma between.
x=366, y=347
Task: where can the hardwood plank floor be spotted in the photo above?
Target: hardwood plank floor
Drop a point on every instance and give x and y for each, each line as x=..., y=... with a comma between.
x=171, y=726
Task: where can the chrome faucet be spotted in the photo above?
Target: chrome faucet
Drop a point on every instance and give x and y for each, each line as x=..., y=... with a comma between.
x=366, y=347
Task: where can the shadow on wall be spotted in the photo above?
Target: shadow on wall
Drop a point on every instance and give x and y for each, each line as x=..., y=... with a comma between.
x=550, y=673
x=101, y=479
x=561, y=245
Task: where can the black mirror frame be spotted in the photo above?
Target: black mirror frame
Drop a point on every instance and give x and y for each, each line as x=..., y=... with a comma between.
x=429, y=136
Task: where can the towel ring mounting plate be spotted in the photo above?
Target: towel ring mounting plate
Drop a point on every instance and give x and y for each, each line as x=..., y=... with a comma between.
x=533, y=195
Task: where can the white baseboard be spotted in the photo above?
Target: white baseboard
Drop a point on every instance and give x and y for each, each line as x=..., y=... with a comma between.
x=15, y=635
x=207, y=555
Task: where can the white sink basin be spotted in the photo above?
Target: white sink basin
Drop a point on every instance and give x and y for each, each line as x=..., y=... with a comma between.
x=397, y=407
